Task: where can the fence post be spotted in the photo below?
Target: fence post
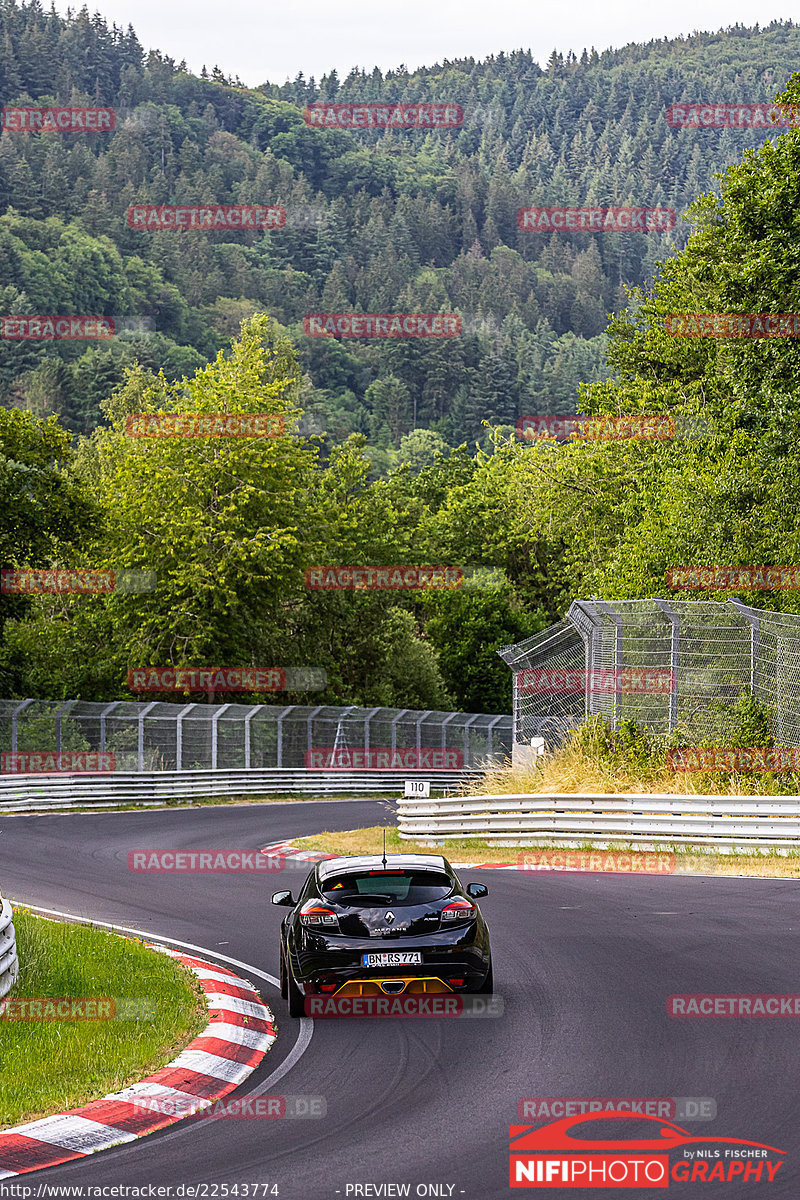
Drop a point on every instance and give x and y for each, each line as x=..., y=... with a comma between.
x=367, y=720
x=489, y=731
x=179, y=736
x=66, y=707
x=247, y=721
x=402, y=713
x=618, y=622
x=108, y=708
x=215, y=734
x=143, y=711
x=755, y=638
x=673, y=660
x=420, y=719
x=311, y=715
x=279, y=745
x=467, y=754
x=584, y=607
x=445, y=723
x=17, y=710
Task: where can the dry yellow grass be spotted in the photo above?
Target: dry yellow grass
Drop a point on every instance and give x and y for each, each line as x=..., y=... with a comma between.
x=571, y=769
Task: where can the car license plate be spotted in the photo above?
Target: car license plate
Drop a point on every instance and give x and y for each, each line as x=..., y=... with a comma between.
x=392, y=958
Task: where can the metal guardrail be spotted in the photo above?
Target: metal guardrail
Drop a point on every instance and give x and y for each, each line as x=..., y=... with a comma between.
x=40, y=793
x=9, y=964
x=713, y=820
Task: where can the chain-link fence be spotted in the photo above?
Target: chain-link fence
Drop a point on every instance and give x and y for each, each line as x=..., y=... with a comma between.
x=42, y=735
x=665, y=664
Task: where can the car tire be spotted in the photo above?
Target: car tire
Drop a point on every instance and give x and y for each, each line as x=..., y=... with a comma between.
x=488, y=983
x=284, y=989
x=294, y=996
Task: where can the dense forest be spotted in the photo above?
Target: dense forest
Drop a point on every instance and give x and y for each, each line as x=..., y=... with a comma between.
x=379, y=463
x=376, y=220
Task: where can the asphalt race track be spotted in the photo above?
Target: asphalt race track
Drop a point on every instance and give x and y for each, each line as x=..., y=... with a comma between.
x=584, y=964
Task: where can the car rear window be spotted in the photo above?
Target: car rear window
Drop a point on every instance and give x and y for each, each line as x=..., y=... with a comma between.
x=392, y=887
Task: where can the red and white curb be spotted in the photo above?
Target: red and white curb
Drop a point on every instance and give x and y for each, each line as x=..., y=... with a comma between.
x=239, y=1034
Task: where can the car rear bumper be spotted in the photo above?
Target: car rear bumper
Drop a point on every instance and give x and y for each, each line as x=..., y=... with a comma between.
x=460, y=959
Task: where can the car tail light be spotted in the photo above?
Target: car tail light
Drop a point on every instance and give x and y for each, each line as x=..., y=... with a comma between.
x=458, y=910
x=456, y=982
x=318, y=916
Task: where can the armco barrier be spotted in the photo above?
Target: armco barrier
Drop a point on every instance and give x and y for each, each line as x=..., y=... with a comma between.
x=715, y=820
x=38, y=793
x=9, y=965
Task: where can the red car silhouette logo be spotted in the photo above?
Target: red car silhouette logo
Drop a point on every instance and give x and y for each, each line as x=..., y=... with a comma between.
x=557, y=1136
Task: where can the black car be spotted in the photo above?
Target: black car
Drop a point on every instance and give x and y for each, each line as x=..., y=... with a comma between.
x=374, y=925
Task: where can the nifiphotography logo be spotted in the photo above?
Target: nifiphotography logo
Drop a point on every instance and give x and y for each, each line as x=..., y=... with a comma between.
x=587, y=1151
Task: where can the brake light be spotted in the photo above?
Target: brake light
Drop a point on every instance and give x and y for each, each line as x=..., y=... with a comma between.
x=458, y=910
x=317, y=915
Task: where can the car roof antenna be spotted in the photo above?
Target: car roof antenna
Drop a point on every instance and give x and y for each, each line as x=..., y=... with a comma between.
x=384, y=847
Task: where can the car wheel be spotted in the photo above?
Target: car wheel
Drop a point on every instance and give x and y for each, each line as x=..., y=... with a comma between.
x=488, y=983
x=284, y=991
x=294, y=996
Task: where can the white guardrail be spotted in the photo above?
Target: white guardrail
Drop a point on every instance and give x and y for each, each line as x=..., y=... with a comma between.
x=562, y=817
x=40, y=793
x=9, y=965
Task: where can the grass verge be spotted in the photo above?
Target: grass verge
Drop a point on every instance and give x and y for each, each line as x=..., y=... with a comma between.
x=48, y=1066
x=571, y=769
x=687, y=861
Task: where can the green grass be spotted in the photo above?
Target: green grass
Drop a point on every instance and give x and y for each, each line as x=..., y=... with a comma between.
x=49, y=1066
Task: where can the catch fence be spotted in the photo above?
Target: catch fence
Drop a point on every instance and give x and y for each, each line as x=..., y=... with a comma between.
x=668, y=665
x=74, y=736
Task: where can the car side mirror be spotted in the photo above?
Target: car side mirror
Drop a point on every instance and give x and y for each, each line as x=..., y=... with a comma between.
x=283, y=898
x=477, y=890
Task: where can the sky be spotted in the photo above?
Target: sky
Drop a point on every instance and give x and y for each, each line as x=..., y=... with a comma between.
x=272, y=40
